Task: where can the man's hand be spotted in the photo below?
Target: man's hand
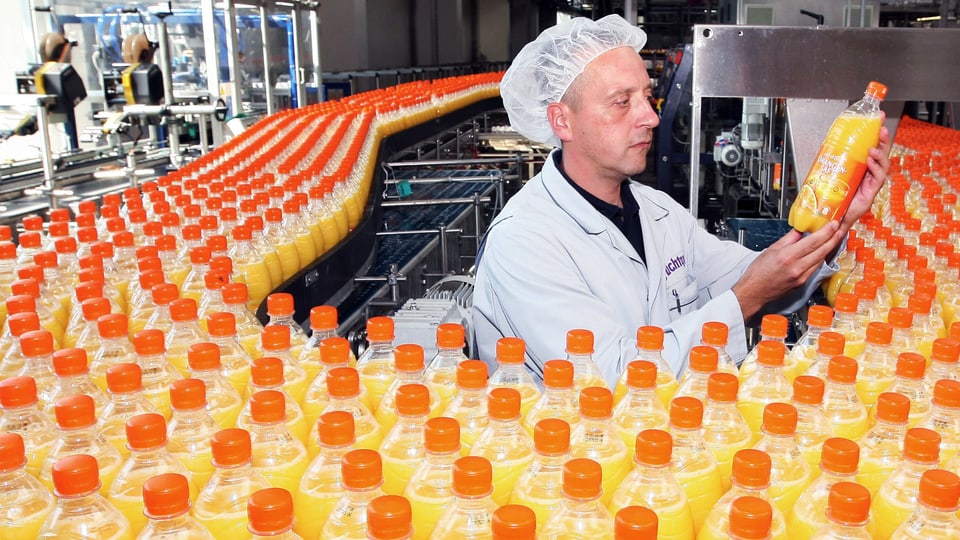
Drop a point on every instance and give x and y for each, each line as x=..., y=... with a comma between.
x=878, y=166
x=785, y=265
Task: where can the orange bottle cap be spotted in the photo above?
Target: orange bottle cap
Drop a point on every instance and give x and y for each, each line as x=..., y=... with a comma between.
x=12, y=452
x=36, y=343
x=335, y=351
x=441, y=435
x=921, y=445
x=221, y=324
x=230, y=447
x=946, y=393
x=343, y=382
x=75, y=475
x=911, y=365
x=751, y=468
x=361, y=469
x=839, y=456
x=704, y=359
x=940, y=490
x=408, y=357
x=412, y=400
x=275, y=337
x=21, y=323
x=774, y=326
x=389, y=517
x=771, y=353
x=580, y=342
x=596, y=402
x=450, y=336
x=893, y=407
x=336, y=428
x=270, y=511
x=722, y=387
x=380, y=329
x=557, y=374
x=149, y=342
x=267, y=371
x=846, y=303
x=68, y=362
x=514, y=522
x=472, y=375
x=581, y=479
x=166, y=496
x=146, y=431
x=654, y=447
x=641, y=374
x=164, y=293
x=183, y=309
x=842, y=369
x=472, y=477
x=551, y=436
x=203, y=356
x=234, y=293
x=635, y=522
x=848, y=504
x=510, y=350
x=750, y=518
x=76, y=411
x=124, y=378
x=280, y=304
x=188, y=394
x=268, y=407
x=944, y=350
x=879, y=333
x=503, y=404
x=323, y=318
x=779, y=419
x=650, y=338
x=18, y=391
x=714, y=333
x=686, y=412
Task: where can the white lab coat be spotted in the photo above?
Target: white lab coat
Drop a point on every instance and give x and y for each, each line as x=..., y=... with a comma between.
x=550, y=262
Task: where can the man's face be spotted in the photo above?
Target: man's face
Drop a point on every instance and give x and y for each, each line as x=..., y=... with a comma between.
x=611, y=118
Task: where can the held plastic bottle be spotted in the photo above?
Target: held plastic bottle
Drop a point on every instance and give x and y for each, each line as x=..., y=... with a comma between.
x=166, y=505
x=751, y=478
x=516, y=522
x=725, y=431
x=223, y=401
x=221, y=505
x=78, y=435
x=935, y=516
x=280, y=309
x=649, y=347
x=640, y=409
x=270, y=515
x=790, y=474
x=279, y=456
x=156, y=373
x=703, y=362
x=773, y=327
x=580, y=354
x=321, y=486
x=838, y=463
x=944, y=417
x=402, y=448
x=841, y=404
x=766, y=385
x=651, y=484
x=469, y=405
x=750, y=519
x=376, y=364
x=819, y=320
x=190, y=429
x=115, y=347
x=470, y=515
x=840, y=164
x=234, y=359
x=389, y=517
x=829, y=345
x=275, y=342
x=70, y=366
x=848, y=513
x=897, y=497
x=909, y=381
x=881, y=448
x=694, y=466
x=362, y=478
x=430, y=489
x=267, y=374
x=538, y=487
x=441, y=372
x=581, y=514
x=81, y=511
x=25, y=503
x=343, y=385
x=125, y=388
x=19, y=414
x=409, y=368
x=510, y=372
x=877, y=364
x=504, y=443
x=559, y=397
x=715, y=334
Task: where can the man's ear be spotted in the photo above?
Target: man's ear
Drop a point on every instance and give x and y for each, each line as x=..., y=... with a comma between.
x=558, y=114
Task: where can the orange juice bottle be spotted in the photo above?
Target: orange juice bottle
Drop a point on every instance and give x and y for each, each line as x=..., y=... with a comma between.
x=190, y=429
x=694, y=466
x=841, y=404
x=221, y=505
x=538, y=487
x=751, y=478
x=651, y=484
x=813, y=428
x=790, y=473
x=773, y=327
x=441, y=372
x=78, y=435
x=389, y=517
x=516, y=522
x=559, y=397
x=73, y=377
x=944, y=417
x=715, y=334
x=944, y=356
x=581, y=509
x=163, y=294
x=580, y=354
x=503, y=442
x=281, y=311
x=838, y=463
x=279, y=456
x=408, y=364
x=470, y=515
x=127, y=399
x=234, y=359
x=20, y=415
x=897, y=497
x=376, y=364
x=848, y=513
x=703, y=362
x=430, y=489
x=935, y=516
x=877, y=364
x=321, y=486
x=469, y=404
x=343, y=386
x=510, y=373
x=402, y=447
x=846, y=322
x=840, y=164
x=909, y=381
x=881, y=448
x=166, y=504
x=362, y=482
x=270, y=515
x=766, y=385
x=641, y=408
x=267, y=374
x=36, y=347
x=115, y=347
x=725, y=431
x=26, y=503
x=156, y=373
x=750, y=519
x=803, y=353
x=184, y=332
x=649, y=347
x=81, y=511
x=275, y=342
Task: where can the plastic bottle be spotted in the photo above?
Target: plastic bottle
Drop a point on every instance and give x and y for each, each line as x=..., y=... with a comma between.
x=510, y=373
x=694, y=466
x=81, y=511
x=581, y=512
x=77, y=434
x=441, y=372
x=766, y=385
x=649, y=347
x=223, y=401
x=559, y=397
x=184, y=332
x=503, y=442
x=715, y=334
x=190, y=429
x=877, y=364
x=166, y=505
x=773, y=327
x=402, y=448
x=840, y=164
x=21, y=415
x=275, y=342
x=848, y=513
x=127, y=399
x=430, y=489
x=580, y=354
x=279, y=456
x=897, y=497
x=725, y=431
x=234, y=359
x=790, y=475
x=813, y=428
x=944, y=355
x=515, y=522
x=935, y=516
x=343, y=385
x=408, y=364
x=750, y=519
x=248, y=326
x=470, y=515
x=115, y=347
x=25, y=502
x=221, y=505
x=641, y=409
x=841, y=404
x=652, y=484
x=944, y=417
x=881, y=448
x=267, y=374
x=147, y=442
x=280, y=309
x=157, y=373
x=362, y=479
x=70, y=366
x=321, y=486
x=469, y=405
x=270, y=515
x=376, y=364
x=838, y=463
x=751, y=478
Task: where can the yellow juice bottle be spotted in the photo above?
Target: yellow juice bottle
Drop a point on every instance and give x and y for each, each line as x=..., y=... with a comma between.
x=504, y=443
x=321, y=486
x=881, y=448
x=25, y=503
x=430, y=489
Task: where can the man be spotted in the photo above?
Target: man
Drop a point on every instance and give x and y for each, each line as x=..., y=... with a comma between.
x=582, y=246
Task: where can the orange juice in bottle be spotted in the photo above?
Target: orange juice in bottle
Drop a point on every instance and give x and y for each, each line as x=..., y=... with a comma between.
x=641, y=408
x=841, y=404
x=190, y=429
x=649, y=347
x=935, y=516
x=790, y=473
x=538, y=487
x=694, y=466
x=25, y=503
x=362, y=479
x=838, y=463
x=725, y=431
x=766, y=385
x=19, y=414
x=127, y=399
x=840, y=164
x=813, y=428
x=408, y=364
x=897, y=497
x=470, y=516
x=321, y=486
x=581, y=509
x=510, y=372
x=751, y=478
x=402, y=447
x=881, y=448
x=503, y=442
x=166, y=504
x=267, y=374
x=81, y=511
x=78, y=435
x=469, y=404
x=773, y=327
x=559, y=397
x=430, y=489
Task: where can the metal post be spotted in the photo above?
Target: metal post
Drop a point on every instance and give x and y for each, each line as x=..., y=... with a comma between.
x=233, y=62
x=212, y=61
x=315, y=50
x=296, y=86
x=265, y=38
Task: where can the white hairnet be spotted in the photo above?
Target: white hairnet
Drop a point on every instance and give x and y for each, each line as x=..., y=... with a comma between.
x=545, y=68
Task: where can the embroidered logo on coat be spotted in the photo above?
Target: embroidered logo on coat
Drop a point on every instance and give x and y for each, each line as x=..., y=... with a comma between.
x=675, y=264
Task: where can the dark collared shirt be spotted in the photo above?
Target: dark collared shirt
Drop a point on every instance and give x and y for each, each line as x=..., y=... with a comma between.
x=627, y=219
